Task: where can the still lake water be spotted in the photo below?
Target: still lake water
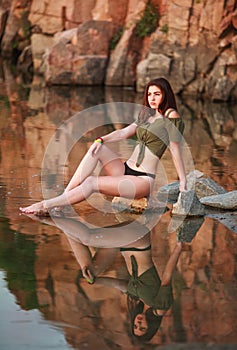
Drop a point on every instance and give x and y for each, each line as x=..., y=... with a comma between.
x=44, y=302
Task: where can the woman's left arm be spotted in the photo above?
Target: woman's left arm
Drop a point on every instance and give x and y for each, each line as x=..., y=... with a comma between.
x=164, y=298
x=178, y=163
x=171, y=264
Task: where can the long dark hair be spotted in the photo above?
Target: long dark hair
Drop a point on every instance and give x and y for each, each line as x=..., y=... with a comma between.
x=167, y=102
x=135, y=307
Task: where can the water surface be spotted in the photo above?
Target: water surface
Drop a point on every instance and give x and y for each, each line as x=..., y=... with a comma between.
x=44, y=301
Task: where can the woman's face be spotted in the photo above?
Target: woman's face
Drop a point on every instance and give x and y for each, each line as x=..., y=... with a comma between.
x=154, y=96
x=140, y=325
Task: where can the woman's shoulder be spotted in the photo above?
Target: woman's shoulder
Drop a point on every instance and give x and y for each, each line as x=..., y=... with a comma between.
x=171, y=113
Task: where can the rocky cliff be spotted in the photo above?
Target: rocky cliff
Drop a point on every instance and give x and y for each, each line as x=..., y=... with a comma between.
x=193, y=43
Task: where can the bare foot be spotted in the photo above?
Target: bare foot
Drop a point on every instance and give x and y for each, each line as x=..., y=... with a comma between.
x=37, y=209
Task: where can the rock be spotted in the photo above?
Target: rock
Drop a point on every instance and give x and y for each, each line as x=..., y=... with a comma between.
x=188, y=204
x=195, y=41
x=234, y=19
x=178, y=24
x=93, y=37
x=222, y=89
x=118, y=61
x=153, y=65
x=133, y=205
x=82, y=61
x=138, y=206
x=25, y=64
x=14, y=20
x=40, y=43
x=192, y=178
x=66, y=36
x=223, y=201
x=169, y=193
x=122, y=62
x=52, y=17
x=205, y=186
x=185, y=229
x=3, y=20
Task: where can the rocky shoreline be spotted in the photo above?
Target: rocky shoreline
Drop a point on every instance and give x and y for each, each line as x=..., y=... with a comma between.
x=204, y=198
x=125, y=43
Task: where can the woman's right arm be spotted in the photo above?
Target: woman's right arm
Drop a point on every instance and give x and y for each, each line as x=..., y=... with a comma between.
x=114, y=136
x=120, y=134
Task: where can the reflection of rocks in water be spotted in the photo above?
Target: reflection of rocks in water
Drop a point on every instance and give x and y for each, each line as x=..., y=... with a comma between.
x=126, y=210
x=228, y=219
x=186, y=229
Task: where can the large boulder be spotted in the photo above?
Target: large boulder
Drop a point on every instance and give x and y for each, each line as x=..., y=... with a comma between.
x=223, y=201
x=203, y=186
x=169, y=193
x=83, y=59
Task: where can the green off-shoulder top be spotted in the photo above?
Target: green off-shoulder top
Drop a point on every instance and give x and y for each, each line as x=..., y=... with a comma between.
x=157, y=135
x=147, y=287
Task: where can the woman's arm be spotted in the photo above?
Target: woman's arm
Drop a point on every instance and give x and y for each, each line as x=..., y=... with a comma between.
x=165, y=295
x=114, y=136
x=178, y=163
x=176, y=152
x=171, y=264
x=113, y=282
x=120, y=134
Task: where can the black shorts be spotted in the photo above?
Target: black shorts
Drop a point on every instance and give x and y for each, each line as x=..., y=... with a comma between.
x=134, y=249
x=129, y=171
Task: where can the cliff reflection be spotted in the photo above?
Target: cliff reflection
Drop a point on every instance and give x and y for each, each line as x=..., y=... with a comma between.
x=204, y=284
x=204, y=281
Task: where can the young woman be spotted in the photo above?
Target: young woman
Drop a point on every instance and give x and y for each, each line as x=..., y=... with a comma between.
x=157, y=127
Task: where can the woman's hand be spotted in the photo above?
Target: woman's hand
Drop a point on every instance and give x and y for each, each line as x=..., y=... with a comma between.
x=94, y=148
x=88, y=274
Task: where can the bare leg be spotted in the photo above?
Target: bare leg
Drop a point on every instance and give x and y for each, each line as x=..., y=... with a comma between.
x=125, y=186
x=110, y=161
x=92, y=267
x=112, y=165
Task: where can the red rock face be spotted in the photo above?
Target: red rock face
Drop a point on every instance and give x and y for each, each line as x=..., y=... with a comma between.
x=196, y=39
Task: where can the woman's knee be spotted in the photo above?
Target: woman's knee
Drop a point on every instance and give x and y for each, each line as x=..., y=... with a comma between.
x=91, y=182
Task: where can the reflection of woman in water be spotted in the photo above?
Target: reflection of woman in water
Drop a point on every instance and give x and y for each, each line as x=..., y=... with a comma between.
x=158, y=126
x=149, y=296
